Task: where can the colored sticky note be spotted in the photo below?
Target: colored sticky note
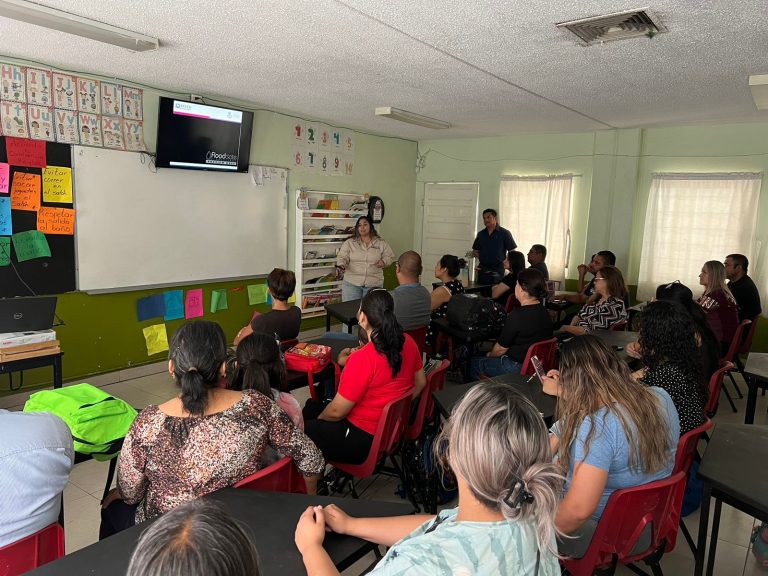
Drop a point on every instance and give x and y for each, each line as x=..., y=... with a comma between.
x=30, y=244
x=269, y=298
x=5, y=217
x=57, y=184
x=23, y=152
x=156, y=338
x=56, y=220
x=193, y=303
x=5, y=250
x=257, y=294
x=5, y=175
x=292, y=298
x=219, y=300
x=174, y=304
x=150, y=307
x=25, y=191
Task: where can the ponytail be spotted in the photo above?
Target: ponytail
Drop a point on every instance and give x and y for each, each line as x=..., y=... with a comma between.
x=387, y=334
x=260, y=366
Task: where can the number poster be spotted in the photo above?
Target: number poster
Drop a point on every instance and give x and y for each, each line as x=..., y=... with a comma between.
x=47, y=105
x=324, y=150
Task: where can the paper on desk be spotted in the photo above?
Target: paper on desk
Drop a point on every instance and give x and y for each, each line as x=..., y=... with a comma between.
x=156, y=338
x=193, y=303
x=219, y=300
x=257, y=294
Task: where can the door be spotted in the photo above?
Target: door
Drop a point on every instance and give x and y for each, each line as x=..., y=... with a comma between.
x=449, y=224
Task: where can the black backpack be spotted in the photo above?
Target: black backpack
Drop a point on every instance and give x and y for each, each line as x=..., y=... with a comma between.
x=475, y=314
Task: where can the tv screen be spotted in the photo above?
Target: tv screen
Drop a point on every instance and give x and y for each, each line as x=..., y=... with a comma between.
x=200, y=137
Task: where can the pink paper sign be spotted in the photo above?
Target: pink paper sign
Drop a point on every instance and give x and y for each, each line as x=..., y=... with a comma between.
x=23, y=152
x=193, y=303
x=4, y=177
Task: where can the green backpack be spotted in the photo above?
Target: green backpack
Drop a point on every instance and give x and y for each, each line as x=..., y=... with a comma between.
x=98, y=422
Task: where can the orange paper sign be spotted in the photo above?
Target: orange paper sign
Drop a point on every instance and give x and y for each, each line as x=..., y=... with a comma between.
x=25, y=191
x=56, y=220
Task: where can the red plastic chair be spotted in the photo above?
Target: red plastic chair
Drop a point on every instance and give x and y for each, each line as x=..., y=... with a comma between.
x=733, y=350
x=419, y=336
x=511, y=303
x=619, y=326
x=715, y=387
x=282, y=476
x=394, y=419
x=435, y=381
x=37, y=549
x=545, y=351
x=625, y=517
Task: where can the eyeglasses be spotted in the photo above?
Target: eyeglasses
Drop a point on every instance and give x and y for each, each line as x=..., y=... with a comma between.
x=599, y=278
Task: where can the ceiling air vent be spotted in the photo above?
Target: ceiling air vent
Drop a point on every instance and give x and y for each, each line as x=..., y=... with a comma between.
x=618, y=26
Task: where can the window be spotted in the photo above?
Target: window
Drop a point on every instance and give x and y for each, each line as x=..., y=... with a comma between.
x=692, y=218
x=537, y=210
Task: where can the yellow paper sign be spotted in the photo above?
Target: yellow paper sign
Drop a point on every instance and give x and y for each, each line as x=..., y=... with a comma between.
x=156, y=338
x=56, y=220
x=57, y=184
x=25, y=191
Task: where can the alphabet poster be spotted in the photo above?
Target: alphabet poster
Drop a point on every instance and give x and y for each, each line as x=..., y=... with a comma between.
x=40, y=122
x=14, y=86
x=88, y=99
x=133, y=135
x=90, y=129
x=111, y=99
x=13, y=116
x=133, y=103
x=112, y=131
x=67, y=131
x=39, y=83
x=64, y=91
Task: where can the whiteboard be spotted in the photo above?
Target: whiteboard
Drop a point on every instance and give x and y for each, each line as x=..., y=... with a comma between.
x=137, y=228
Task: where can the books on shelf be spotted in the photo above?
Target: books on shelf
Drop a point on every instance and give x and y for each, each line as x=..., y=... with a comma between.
x=317, y=300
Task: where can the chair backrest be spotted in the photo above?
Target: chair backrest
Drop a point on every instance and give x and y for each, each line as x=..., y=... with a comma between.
x=394, y=419
x=624, y=519
x=715, y=387
x=282, y=476
x=619, y=326
x=511, y=303
x=686, y=447
x=287, y=344
x=435, y=381
x=37, y=549
x=736, y=340
x=419, y=336
x=746, y=341
x=545, y=351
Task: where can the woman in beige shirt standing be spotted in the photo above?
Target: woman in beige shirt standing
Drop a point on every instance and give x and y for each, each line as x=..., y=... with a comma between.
x=363, y=258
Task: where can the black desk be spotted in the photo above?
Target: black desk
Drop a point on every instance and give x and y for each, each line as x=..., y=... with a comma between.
x=272, y=518
x=733, y=471
x=618, y=338
x=469, y=339
x=346, y=312
x=52, y=360
x=756, y=375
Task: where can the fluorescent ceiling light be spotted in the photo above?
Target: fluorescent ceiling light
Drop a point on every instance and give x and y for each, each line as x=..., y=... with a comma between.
x=758, y=84
x=77, y=25
x=411, y=118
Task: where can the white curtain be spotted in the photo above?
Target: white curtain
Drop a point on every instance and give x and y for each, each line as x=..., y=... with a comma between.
x=692, y=218
x=537, y=210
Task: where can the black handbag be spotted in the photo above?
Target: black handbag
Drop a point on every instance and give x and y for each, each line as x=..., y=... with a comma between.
x=476, y=315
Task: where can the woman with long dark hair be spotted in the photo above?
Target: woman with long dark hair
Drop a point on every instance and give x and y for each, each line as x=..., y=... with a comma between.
x=385, y=368
x=447, y=270
x=361, y=259
x=514, y=263
x=204, y=439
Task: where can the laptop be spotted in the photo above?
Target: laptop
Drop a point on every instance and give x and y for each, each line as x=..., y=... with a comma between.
x=27, y=314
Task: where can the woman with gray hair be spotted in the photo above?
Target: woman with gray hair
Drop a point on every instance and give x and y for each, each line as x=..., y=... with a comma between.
x=195, y=538
x=508, y=494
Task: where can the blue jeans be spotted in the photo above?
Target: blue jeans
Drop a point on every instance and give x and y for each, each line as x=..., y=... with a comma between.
x=352, y=291
x=493, y=366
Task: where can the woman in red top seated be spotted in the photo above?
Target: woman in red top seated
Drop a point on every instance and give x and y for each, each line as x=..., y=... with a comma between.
x=374, y=375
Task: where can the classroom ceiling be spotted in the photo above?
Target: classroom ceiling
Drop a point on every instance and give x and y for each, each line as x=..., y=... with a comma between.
x=489, y=67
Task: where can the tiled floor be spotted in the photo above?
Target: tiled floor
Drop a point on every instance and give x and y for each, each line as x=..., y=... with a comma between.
x=82, y=496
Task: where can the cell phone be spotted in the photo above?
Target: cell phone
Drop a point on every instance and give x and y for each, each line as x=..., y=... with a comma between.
x=539, y=368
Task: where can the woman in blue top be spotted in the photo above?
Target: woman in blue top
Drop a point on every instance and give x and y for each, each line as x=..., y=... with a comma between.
x=613, y=432
x=508, y=493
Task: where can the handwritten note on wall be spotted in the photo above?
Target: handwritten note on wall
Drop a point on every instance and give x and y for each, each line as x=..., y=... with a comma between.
x=6, y=229
x=193, y=303
x=25, y=191
x=56, y=220
x=57, y=184
x=23, y=152
x=30, y=244
x=4, y=177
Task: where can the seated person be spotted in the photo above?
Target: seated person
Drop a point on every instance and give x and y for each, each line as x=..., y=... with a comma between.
x=36, y=457
x=586, y=291
x=202, y=440
x=508, y=492
x=514, y=263
x=606, y=306
x=447, y=270
x=718, y=303
x=259, y=366
x=536, y=256
x=382, y=370
x=672, y=360
x=412, y=300
x=284, y=320
x=526, y=325
x=198, y=537
x=742, y=287
x=613, y=433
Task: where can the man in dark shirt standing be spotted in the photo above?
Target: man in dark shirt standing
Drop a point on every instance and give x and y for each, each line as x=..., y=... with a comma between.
x=742, y=287
x=490, y=247
x=536, y=256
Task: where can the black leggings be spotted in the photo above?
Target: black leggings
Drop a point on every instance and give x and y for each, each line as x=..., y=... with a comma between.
x=116, y=517
x=338, y=441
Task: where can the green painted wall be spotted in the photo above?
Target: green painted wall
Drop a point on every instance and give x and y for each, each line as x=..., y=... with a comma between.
x=101, y=332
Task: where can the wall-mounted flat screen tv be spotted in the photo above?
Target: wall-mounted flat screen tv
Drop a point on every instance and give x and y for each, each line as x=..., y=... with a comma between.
x=200, y=137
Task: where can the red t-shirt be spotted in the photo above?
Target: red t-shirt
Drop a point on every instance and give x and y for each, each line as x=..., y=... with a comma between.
x=367, y=381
